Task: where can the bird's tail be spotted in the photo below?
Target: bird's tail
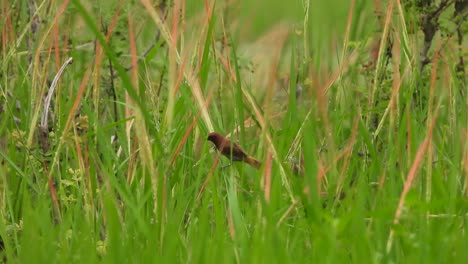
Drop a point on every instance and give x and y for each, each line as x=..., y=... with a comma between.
x=253, y=162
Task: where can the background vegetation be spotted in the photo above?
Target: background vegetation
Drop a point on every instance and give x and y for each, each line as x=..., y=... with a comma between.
x=357, y=109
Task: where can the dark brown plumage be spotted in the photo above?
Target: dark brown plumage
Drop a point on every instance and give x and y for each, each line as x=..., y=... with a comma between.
x=238, y=154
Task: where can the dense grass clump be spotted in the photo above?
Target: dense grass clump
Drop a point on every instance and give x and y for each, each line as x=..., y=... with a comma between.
x=357, y=111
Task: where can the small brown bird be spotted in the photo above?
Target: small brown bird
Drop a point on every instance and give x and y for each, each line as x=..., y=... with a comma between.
x=238, y=154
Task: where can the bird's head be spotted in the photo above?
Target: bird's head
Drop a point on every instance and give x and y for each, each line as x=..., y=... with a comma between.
x=216, y=138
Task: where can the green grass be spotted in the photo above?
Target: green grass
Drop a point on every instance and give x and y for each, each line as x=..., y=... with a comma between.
x=125, y=173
